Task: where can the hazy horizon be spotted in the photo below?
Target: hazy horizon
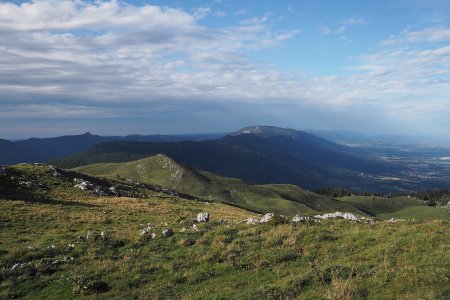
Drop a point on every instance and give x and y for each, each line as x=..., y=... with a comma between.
x=171, y=67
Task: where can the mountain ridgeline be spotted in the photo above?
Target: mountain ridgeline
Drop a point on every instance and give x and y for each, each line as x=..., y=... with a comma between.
x=35, y=150
x=257, y=155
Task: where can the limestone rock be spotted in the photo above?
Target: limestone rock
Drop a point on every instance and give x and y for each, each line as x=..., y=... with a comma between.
x=167, y=232
x=267, y=217
x=203, y=217
x=338, y=215
x=300, y=219
x=251, y=221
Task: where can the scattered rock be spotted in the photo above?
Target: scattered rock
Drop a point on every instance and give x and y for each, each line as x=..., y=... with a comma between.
x=71, y=246
x=145, y=230
x=67, y=259
x=89, y=234
x=27, y=184
x=83, y=184
x=20, y=266
x=99, y=191
x=267, y=217
x=300, y=219
x=113, y=190
x=394, y=220
x=54, y=171
x=92, y=235
x=167, y=232
x=251, y=221
x=338, y=215
x=203, y=217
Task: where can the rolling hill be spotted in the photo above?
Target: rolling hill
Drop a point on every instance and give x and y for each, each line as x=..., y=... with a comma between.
x=258, y=155
x=164, y=171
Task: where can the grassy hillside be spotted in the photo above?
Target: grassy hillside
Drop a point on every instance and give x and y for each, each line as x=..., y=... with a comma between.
x=403, y=207
x=51, y=247
x=162, y=170
x=221, y=260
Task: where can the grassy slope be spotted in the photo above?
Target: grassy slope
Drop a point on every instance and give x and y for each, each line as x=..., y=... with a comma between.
x=327, y=260
x=159, y=169
x=397, y=207
x=223, y=259
x=420, y=213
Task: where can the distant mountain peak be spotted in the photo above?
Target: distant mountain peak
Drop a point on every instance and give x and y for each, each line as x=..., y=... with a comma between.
x=266, y=131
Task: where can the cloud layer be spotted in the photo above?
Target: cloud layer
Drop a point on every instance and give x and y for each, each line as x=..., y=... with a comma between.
x=79, y=59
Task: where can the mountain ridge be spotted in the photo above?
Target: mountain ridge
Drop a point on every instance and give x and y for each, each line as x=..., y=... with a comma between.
x=298, y=158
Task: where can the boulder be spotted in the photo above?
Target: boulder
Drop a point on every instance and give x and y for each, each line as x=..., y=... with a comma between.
x=167, y=232
x=20, y=266
x=267, y=217
x=251, y=221
x=203, y=217
x=300, y=219
x=27, y=184
x=3, y=171
x=83, y=184
x=113, y=190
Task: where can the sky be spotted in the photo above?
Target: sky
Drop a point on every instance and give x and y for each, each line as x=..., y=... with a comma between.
x=173, y=67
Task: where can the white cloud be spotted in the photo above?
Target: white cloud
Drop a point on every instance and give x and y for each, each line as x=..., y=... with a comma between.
x=73, y=58
x=354, y=21
x=240, y=12
x=110, y=51
x=221, y=13
x=201, y=12
x=427, y=35
x=341, y=28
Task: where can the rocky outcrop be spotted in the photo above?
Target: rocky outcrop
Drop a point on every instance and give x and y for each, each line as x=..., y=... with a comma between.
x=267, y=217
x=300, y=219
x=337, y=215
x=203, y=217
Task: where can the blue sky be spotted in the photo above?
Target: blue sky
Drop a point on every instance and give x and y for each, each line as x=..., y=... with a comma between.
x=121, y=67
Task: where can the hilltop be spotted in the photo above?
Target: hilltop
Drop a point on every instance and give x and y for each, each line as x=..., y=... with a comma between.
x=164, y=171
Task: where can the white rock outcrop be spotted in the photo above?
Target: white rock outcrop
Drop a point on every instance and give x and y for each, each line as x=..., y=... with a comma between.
x=338, y=215
x=300, y=219
x=203, y=217
x=267, y=217
x=20, y=266
x=83, y=184
x=252, y=221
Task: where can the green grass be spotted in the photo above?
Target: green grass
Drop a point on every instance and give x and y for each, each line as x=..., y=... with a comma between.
x=224, y=259
x=162, y=170
x=420, y=213
x=328, y=260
